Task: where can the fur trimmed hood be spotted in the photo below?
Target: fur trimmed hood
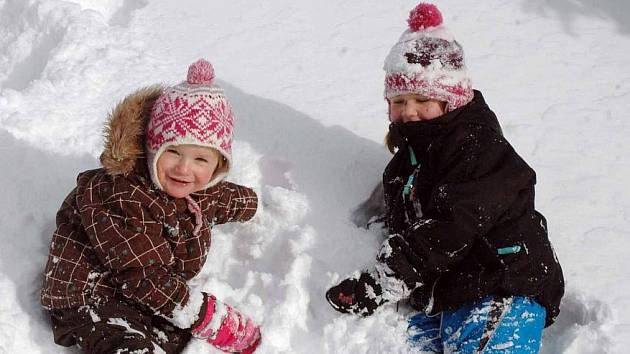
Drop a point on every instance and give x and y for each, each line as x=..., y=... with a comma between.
x=125, y=131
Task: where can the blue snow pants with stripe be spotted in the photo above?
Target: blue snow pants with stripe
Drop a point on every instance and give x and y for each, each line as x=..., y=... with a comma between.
x=492, y=325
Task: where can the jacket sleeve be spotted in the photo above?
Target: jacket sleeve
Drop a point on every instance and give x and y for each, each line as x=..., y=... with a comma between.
x=229, y=202
x=480, y=179
x=132, y=247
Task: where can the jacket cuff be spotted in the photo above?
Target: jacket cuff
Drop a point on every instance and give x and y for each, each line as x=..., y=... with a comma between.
x=202, y=312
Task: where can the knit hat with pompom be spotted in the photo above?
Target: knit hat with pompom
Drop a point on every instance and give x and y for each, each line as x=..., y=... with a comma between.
x=428, y=61
x=193, y=112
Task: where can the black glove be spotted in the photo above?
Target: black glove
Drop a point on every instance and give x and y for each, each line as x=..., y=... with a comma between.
x=403, y=263
x=358, y=296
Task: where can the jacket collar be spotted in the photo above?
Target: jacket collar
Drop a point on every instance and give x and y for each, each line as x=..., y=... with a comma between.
x=419, y=135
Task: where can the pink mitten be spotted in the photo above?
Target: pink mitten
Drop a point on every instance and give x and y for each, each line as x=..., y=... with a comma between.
x=227, y=329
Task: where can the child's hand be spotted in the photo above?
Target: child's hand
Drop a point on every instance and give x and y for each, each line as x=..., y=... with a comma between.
x=358, y=296
x=227, y=329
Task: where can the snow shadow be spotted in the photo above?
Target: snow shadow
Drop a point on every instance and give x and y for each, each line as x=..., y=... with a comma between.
x=125, y=13
x=582, y=326
x=34, y=183
x=568, y=10
x=333, y=170
x=325, y=162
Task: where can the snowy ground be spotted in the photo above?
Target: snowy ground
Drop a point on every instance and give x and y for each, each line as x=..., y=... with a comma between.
x=306, y=84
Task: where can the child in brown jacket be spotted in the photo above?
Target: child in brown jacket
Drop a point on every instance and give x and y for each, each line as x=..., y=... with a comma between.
x=132, y=234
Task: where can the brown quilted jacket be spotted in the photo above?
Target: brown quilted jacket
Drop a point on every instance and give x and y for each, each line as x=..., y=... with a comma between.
x=118, y=236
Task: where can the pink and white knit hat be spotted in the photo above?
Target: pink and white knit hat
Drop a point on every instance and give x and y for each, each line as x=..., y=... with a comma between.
x=193, y=112
x=428, y=61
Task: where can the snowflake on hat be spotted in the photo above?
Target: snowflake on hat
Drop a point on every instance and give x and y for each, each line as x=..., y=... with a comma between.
x=428, y=61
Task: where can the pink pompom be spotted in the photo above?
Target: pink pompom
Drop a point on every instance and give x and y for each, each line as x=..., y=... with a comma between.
x=424, y=16
x=200, y=72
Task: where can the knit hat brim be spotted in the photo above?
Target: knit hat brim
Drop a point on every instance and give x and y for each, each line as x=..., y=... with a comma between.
x=218, y=175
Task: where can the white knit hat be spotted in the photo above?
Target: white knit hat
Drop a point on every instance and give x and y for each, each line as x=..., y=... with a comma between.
x=428, y=61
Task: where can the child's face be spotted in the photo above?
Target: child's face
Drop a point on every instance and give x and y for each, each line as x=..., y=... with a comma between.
x=184, y=169
x=412, y=107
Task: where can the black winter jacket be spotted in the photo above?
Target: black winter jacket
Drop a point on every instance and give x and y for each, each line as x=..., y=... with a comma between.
x=468, y=221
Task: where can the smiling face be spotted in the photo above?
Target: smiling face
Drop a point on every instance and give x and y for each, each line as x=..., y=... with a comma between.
x=412, y=107
x=185, y=169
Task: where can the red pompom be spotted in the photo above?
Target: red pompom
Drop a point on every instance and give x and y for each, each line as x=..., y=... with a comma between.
x=200, y=72
x=424, y=16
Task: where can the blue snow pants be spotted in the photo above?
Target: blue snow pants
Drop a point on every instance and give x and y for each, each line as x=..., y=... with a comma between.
x=492, y=325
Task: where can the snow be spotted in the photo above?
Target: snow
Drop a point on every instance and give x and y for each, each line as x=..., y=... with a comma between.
x=185, y=316
x=306, y=83
x=123, y=323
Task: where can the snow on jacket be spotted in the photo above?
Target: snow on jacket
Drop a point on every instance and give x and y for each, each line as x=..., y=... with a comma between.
x=118, y=236
x=468, y=224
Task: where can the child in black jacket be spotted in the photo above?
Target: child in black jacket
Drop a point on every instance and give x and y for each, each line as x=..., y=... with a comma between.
x=466, y=245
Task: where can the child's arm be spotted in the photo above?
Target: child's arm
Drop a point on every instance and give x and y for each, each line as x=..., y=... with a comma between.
x=484, y=178
x=132, y=247
x=228, y=202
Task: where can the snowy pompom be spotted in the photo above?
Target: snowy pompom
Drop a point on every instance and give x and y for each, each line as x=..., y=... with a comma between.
x=424, y=16
x=200, y=72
